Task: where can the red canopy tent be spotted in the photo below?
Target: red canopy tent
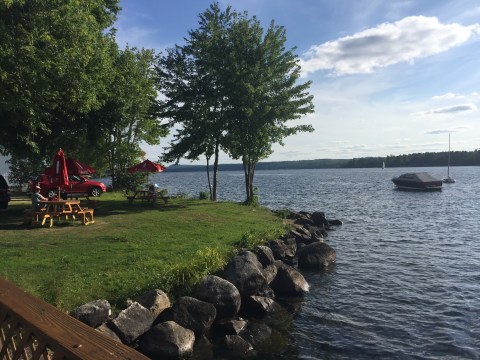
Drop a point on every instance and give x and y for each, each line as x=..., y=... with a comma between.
x=147, y=166
x=58, y=171
x=75, y=167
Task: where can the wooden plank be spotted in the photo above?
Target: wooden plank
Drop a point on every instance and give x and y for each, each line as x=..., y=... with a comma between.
x=74, y=339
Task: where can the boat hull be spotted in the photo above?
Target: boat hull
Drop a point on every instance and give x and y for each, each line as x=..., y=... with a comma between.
x=417, y=182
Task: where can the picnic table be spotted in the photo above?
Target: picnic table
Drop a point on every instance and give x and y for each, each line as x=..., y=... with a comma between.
x=147, y=196
x=56, y=209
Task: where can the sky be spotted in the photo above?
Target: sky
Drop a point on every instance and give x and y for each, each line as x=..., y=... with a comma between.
x=389, y=77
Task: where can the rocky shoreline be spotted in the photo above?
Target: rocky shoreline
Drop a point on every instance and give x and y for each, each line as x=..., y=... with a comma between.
x=226, y=312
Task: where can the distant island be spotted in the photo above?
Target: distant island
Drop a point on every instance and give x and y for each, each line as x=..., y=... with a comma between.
x=457, y=158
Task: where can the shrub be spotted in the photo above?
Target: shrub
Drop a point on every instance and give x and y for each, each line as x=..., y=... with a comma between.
x=204, y=195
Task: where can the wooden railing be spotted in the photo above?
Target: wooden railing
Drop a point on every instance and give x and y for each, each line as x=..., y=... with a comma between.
x=33, y=329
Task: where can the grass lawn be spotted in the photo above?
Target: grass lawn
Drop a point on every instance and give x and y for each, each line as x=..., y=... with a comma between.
x=128, y=250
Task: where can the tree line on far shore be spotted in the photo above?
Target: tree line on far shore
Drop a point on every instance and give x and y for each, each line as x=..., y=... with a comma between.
x=457, y=158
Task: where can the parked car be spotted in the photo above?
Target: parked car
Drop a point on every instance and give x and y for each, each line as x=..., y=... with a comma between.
x=4, y=193
x=79, y=186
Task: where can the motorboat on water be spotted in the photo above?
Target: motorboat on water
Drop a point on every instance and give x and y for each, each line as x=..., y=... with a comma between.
x=420, y=181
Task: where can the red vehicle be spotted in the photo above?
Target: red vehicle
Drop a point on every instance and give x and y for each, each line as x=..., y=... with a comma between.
x=79, y=186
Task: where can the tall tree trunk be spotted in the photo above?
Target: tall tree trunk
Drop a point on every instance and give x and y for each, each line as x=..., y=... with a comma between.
x=208, y=177
x=215, y=170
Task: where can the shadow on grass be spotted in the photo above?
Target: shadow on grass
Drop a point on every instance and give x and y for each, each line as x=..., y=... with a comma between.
x=13, y=218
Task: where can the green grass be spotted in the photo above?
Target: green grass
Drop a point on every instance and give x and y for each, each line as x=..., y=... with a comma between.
x=128, y=250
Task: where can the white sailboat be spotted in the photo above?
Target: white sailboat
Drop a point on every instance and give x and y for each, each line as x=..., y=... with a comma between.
x=383, y=165
x=448, y=179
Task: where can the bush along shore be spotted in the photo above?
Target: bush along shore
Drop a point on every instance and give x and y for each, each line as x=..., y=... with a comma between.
x=232, y=313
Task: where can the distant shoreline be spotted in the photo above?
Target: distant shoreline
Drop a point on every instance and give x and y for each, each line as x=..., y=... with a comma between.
x=458, y=158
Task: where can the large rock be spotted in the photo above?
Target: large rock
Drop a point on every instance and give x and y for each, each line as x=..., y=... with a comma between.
x=105, y=330
x=193, y=314
x=335, y=222
x=221, y=293
x=261, y=305
x=237, y=347
x=167, y=340
x=132, y=322
x=291, y=247
x=155, y=300
x=256, y=333
x=320, y=220
x=317, y=255
x=264, y=255
x=230, y=326
x=279, y=249
x=245, y=272
x=289, y=282
x=269, y=273
x=93, y=313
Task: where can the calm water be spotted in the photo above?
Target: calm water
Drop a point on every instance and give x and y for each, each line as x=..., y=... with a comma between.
x=407, y=280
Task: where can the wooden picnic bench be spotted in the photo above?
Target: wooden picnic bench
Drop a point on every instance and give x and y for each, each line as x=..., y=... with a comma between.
x=145, y=195
x=62, y=208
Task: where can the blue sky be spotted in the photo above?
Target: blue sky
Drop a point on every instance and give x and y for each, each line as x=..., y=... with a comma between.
x=389, y=77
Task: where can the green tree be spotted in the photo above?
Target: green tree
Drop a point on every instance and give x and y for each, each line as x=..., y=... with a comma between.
x=129, y=114
x=264, y=93
x=232, y=88
x=54, y=59
x=192, y=79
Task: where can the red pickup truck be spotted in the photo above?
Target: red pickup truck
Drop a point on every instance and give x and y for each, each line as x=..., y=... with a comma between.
x=79, y=186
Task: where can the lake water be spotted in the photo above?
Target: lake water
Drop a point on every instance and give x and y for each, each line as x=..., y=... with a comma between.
x=406, y=284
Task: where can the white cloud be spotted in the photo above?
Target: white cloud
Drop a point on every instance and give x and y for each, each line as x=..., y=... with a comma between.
x=411, y=38
x=455, y=109
x=450, y=96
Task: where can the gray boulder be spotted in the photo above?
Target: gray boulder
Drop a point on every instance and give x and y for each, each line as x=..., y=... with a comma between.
x=291, y=247
x=289, y=282
x=303, y=220
x=245, y=272
x=261, y=305
x=132, y=322
x=279, y=249
x=335, y=222
x=257, y=333
x=230, y=326
x=317, y=256
x=193, y=314
x=264, y=255
x=105, y=330
x=221, y=293
x=167, y=340
x=237, y=347
x=154, y=300
x=269, y=273
x=93, y=313
x=319, y=219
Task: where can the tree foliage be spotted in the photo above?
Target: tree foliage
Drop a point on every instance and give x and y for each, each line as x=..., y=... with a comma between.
x=65, y=83
x=52, y=66
x=130, y=112
x=264, y=93
x=192, y=79
x=232, y=87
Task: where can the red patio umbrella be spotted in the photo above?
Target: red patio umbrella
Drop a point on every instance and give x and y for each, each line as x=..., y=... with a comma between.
x=75, y=167
x=58, y=171
x=147, y=166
